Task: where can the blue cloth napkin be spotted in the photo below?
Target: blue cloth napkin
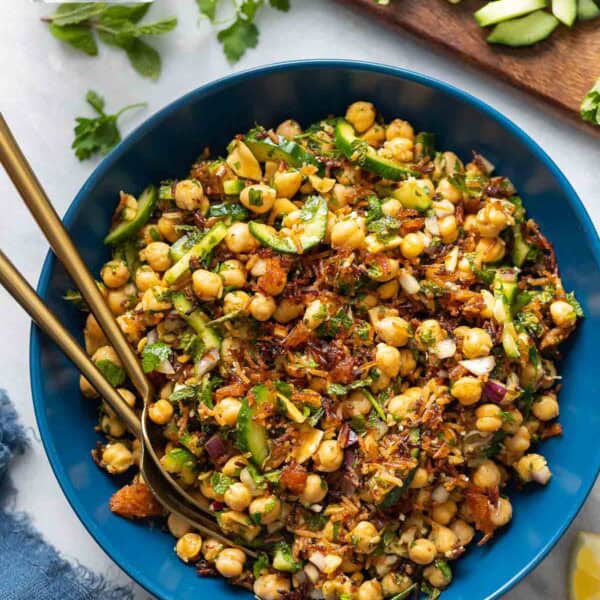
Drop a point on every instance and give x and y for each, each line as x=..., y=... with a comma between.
x=31, y=569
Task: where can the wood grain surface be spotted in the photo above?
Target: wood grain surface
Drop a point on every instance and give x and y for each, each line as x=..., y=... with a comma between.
x=559, y=70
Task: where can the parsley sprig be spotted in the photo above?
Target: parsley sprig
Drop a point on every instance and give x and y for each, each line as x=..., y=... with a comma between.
x=590, y=107
x=76, y=23
x=97, y=134
x=241, y=32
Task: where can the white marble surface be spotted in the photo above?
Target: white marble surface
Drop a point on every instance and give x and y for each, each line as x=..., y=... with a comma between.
x=41, y=90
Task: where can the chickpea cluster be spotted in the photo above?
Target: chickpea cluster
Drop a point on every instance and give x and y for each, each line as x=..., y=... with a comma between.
x=352, y=406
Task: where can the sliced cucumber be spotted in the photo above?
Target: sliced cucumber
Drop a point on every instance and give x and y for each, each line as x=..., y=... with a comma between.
x=520, y=248
x=182, y=463
x=251, y=436
x=526, y=31
x=182, y=304
x=214, y=235
x=412, y=195
x=587, y=10
x=179, y=248
x=314, y=226
x=503, y=10
x=565, y=11
x=283, y=559
x=145, y=207
x=233, y=187
x=359, y=151
x=198, y=322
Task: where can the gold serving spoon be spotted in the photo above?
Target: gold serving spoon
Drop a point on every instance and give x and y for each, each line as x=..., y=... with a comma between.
x=39, y=205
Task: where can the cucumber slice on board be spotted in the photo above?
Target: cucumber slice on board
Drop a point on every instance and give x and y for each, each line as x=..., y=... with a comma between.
x=587, y=10
x=525, y=31
x=565, y=11
x=503, y=10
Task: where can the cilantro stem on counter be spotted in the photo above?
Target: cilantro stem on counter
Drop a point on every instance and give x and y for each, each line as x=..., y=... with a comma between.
x=116, y=25
x=97, y=134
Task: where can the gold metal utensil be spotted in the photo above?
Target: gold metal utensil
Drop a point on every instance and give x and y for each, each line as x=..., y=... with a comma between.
x=39, y=205
x=21, y=291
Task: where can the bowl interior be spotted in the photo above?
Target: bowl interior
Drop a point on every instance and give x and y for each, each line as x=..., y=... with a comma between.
x=167, y=144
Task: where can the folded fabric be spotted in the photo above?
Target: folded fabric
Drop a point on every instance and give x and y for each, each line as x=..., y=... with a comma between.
x=30, y=568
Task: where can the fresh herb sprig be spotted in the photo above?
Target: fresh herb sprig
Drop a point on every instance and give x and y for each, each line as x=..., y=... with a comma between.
x=78, y=24
x=97, y=134
x=590, y=107
x=241, y=32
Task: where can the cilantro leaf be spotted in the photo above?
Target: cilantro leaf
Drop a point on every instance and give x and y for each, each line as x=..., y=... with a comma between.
x=112, y=372
x=590, y=107
x=185, y=392
x=153, y=355
x=260, y=564
x=98, y=134
x=208, y=8
x=78, y=36
x=220, y=483
x=237, y=38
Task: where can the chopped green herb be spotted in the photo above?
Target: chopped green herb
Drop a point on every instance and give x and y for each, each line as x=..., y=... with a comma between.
x=153, y=355
x=574, y=303
x=112, y=372
x=220, y=483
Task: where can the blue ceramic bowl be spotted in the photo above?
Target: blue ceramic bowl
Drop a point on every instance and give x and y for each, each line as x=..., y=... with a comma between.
x=166, y=145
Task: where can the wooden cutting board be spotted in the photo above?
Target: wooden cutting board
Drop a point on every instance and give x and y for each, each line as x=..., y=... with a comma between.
x=559, y=70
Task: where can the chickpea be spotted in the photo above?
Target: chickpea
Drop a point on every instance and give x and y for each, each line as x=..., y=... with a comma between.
x=533, y=467
x=329, y=456
x=380, y=381
x=262, y=307
x=239, y=239
x=288, y=310
x=315, y=489
x=444, y=512
x=287, y=184
x=342, y=195
x=398, y=128
x=154, y=300
x=289, y=129
x=370, y=590
x=487, y=475
x=365, y=537
x=408, y=362
x=259, y=198
x=519, y=442
x=448, y=229
x=476, y=342
x=93, y=334
x=392, y=207
x=271, y=586
x=429, y=333
x=513, y=421
x=420, y=479
x=400, y=406
x=106, y=353
x=388, y=290
x=121, y=300
x=189, y=546
x=422, y=551
x=233, y=273
x=563, y=314
x=501, y=514
x=315, y=314
x=449, y=191
x=491, y=220
x=361, y=115
x=207, y=285
x=490, y=249
x=167, y=226
x=115, y=274
x=148, y=234
x=156, y=254
x=387, y=359
x=237, y=301
x=266, y=508
x=189, y=195
x=545, y=407
x=161, y=412
x=86, y=388
x=211, y=548
x=356, y=404
x=349, y=233
x=117, y=458
x=395, y=583
x=489, y=418
x=145, y=278
x=464, y=532
x=374, y=136
x=242, y=162
x=226, y=412
x=178, y=526
x=467, y=390
x=444, y=539
x=112, y=426
x=394, y=331
x=230, y=562
x=400, y=149
x=412, y=245
x=437, y=577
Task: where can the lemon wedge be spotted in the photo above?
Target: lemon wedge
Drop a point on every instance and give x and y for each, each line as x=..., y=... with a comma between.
x=584, y=568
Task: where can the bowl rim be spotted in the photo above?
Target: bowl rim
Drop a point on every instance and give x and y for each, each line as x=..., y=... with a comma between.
x=112, y=549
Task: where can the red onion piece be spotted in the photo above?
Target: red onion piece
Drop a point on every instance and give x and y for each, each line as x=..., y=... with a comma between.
x=215, y=447
x=347, y=437
x=494, y=391
x=349, y=457
x=217, y=506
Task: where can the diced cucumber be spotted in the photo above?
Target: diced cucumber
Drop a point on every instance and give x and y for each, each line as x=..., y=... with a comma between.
x=526, y=31
x=197, y=321
x=506, y=285
x=565, y=11
x=233, y=187
x=180, y=462
x=252, y=436
x=314, y=226
x=182, y=304
x=214, y=235
x=520, y=248
x=290, y=408
x=179, y=248
x=587, y=10
x=360, y=152
x=503, y=10
x=145, y=207
x=413, y=195
x=283, y=560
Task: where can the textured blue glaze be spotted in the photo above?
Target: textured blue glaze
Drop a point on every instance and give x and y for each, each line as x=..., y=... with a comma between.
x=165, y=146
